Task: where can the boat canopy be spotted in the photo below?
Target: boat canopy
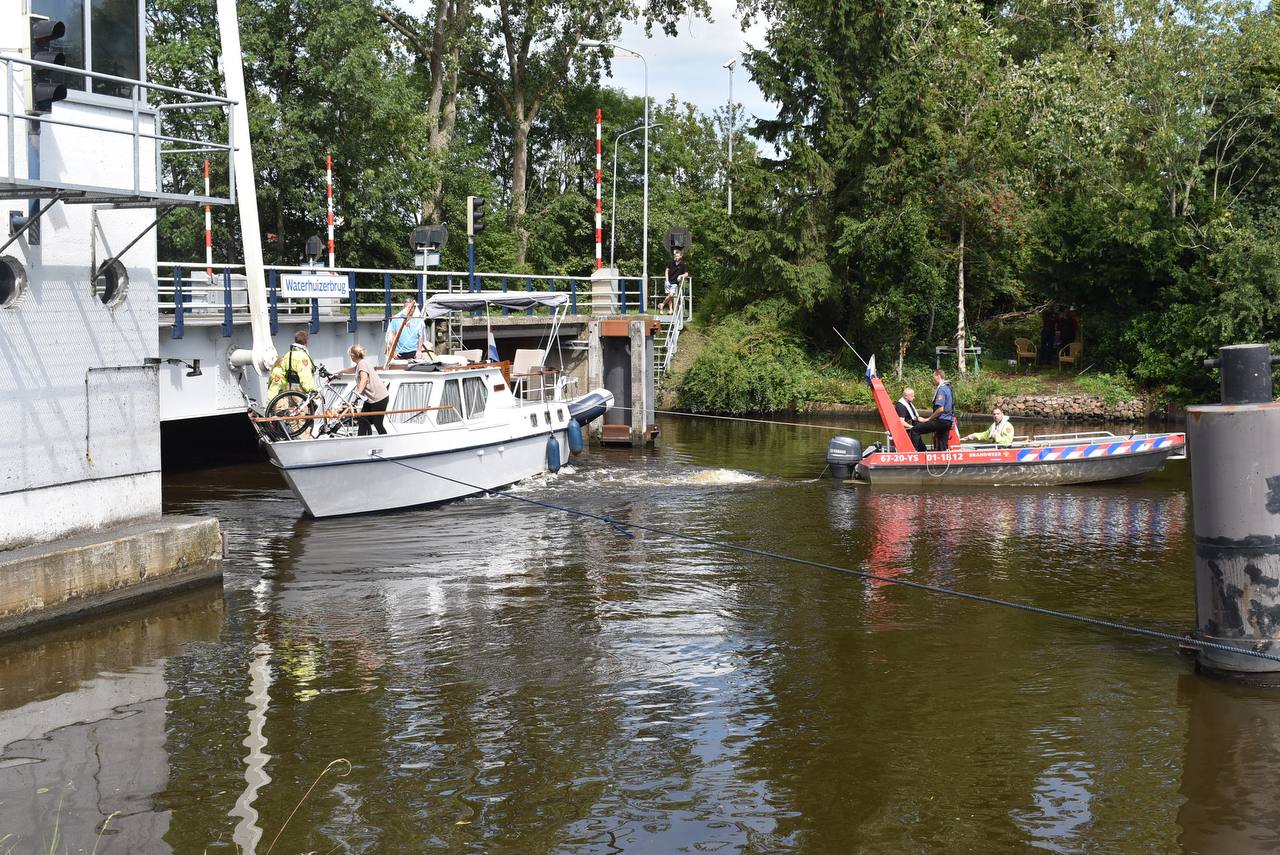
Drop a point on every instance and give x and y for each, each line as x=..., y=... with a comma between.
x=440, y=305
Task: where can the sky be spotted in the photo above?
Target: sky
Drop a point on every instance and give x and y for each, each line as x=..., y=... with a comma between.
x=690, y=64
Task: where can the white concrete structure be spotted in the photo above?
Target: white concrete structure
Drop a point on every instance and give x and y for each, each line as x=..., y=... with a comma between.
x=79, y=446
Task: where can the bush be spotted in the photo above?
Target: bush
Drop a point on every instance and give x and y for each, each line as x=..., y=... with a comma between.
x=747, y=366
x=1111, y=388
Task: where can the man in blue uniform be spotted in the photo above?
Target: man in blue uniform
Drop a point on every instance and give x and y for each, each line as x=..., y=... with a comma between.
x=944, y=413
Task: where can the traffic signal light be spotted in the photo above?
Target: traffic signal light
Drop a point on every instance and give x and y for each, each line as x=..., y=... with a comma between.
x=44, y=89
x=475, y=215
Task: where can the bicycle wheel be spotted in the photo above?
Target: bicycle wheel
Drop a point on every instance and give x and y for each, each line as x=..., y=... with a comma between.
x=290, y=402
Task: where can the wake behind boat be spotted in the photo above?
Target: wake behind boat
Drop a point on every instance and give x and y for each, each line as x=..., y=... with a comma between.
x=454, y=428
x=1078, y=458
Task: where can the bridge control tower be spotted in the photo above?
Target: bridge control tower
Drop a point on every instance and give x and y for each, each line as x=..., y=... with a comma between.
x=86, y=171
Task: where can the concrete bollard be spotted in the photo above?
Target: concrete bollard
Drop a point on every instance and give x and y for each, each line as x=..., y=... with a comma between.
x=1234, y=448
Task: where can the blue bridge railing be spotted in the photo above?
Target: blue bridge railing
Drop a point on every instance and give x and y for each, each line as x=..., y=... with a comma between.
x=194, y=293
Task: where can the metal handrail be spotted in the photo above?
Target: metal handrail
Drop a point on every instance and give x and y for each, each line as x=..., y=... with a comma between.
x=178, y=283
x=136, y=106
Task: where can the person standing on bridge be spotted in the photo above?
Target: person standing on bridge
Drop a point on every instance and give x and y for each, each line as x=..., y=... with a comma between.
x=677, y=273
x=406, y=337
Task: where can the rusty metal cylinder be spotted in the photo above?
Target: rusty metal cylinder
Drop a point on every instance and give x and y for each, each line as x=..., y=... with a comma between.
x=1235, y=495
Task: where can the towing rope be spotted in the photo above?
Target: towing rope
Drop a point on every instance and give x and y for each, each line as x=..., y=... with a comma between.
x=879, y=433
x=625, y=529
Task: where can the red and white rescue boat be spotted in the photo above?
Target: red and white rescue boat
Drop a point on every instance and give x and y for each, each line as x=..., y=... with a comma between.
x=1081, y=458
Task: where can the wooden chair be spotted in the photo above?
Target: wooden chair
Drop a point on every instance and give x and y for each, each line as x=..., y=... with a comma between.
x=1025, y=349
x=1070, y=353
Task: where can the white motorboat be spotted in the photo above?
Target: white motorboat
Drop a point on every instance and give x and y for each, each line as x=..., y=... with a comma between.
x=454, y=429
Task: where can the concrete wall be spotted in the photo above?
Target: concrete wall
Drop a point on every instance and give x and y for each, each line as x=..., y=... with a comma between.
x=39, y=585
x=79, y=447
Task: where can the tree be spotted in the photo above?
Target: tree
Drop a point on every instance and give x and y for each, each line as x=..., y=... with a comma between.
x=525, y=55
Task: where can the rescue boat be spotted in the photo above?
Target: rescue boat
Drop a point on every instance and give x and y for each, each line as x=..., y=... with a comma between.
x=1075, y=458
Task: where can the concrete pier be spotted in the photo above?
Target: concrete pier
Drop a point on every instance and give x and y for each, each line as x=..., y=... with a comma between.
x=65, y=579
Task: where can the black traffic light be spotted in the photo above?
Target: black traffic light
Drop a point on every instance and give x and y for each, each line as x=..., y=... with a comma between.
x=44, y=89
x=475, y=215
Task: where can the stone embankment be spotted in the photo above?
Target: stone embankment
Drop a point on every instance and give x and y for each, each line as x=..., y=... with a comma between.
x=1067, y=408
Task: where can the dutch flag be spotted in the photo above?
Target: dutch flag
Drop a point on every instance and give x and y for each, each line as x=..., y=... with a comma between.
x=493, y=347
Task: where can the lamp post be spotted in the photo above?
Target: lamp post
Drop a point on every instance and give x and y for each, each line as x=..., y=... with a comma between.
x=728, y=175
x=644, y=244
x=613, y=206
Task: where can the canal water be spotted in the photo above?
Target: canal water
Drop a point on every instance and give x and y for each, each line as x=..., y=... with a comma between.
x=492, y=676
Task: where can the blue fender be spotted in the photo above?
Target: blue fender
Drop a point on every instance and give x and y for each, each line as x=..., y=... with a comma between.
x=575, y=437
x=553, y=454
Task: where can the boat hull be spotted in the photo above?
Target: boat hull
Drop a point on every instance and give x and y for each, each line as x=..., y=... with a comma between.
x=343, y=476
x=1029, y=466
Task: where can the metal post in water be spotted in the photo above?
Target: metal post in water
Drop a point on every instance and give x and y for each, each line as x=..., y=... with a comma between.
x=1234, y=448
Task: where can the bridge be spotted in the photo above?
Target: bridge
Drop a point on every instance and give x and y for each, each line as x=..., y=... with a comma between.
x=611, y=335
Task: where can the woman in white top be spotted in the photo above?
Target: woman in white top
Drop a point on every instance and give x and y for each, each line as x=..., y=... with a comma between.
x=370, y=385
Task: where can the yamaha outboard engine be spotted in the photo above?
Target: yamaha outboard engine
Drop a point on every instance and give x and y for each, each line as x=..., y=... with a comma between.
x=843, y=454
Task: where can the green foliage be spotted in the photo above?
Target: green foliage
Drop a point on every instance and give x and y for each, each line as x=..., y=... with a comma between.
x=1121, y=160
x=749, y=365
x=1112, y=389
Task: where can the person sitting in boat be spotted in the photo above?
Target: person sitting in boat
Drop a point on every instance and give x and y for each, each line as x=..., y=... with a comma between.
x=406, y=338
x=906, y=410
x=943, y=416
x=1000, y=432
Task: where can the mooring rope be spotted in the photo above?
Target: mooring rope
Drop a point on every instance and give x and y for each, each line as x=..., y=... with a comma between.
x=625, y=529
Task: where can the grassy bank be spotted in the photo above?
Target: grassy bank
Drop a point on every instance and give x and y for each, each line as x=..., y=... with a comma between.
x=744, y=367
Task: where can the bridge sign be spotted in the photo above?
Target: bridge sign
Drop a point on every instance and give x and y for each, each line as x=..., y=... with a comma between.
x=313, y=285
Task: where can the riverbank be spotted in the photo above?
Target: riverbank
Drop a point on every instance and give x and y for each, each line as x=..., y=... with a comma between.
x=704, y=379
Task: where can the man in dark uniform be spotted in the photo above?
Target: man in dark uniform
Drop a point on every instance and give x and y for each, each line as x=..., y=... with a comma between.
x=677, y=272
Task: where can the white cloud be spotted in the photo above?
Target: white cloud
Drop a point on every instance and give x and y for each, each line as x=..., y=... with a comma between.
x=690, y=65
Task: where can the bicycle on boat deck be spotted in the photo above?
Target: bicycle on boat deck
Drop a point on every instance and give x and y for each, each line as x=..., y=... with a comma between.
x=328, y=411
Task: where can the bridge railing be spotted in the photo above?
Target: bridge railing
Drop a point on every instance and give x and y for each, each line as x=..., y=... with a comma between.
x=194, y=293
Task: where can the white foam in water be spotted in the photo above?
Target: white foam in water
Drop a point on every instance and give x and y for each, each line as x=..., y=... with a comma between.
x=640, y=476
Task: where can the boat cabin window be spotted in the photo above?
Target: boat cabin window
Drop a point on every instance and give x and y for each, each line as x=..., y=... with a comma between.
x=476, y=393
x=412, y=396
x=451, y=398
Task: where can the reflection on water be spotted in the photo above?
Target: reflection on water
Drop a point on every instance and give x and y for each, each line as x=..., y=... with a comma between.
x=503, y=678
x=82, y=728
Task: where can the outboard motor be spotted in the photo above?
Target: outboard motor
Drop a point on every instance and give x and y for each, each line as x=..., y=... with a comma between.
x=843, y=454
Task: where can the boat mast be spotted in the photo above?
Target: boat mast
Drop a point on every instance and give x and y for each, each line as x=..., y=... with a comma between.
x=263, y=353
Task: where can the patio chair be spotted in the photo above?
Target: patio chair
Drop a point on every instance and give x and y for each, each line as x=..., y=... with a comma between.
x=1070, y=354
x=1025, y=350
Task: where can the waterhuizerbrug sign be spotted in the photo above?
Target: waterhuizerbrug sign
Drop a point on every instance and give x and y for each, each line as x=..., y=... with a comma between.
x=313, y=285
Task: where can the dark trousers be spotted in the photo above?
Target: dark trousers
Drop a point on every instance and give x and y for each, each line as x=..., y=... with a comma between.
x=941, y=430
x=371, y=423
x=916, y=442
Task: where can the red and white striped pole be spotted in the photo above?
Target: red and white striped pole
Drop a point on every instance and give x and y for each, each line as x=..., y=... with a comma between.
x=208, y=227
x=599, y=208
x=328, y=169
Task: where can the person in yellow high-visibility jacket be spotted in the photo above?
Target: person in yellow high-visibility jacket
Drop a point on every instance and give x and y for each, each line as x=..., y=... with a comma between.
x=1000, y=432
x=293, y=370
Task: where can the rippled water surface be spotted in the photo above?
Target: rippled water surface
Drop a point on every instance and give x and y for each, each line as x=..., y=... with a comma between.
x=491, y=676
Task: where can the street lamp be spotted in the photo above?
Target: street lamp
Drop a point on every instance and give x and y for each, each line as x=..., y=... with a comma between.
x=613, y=207
x=644, y=254
x=728, y=175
